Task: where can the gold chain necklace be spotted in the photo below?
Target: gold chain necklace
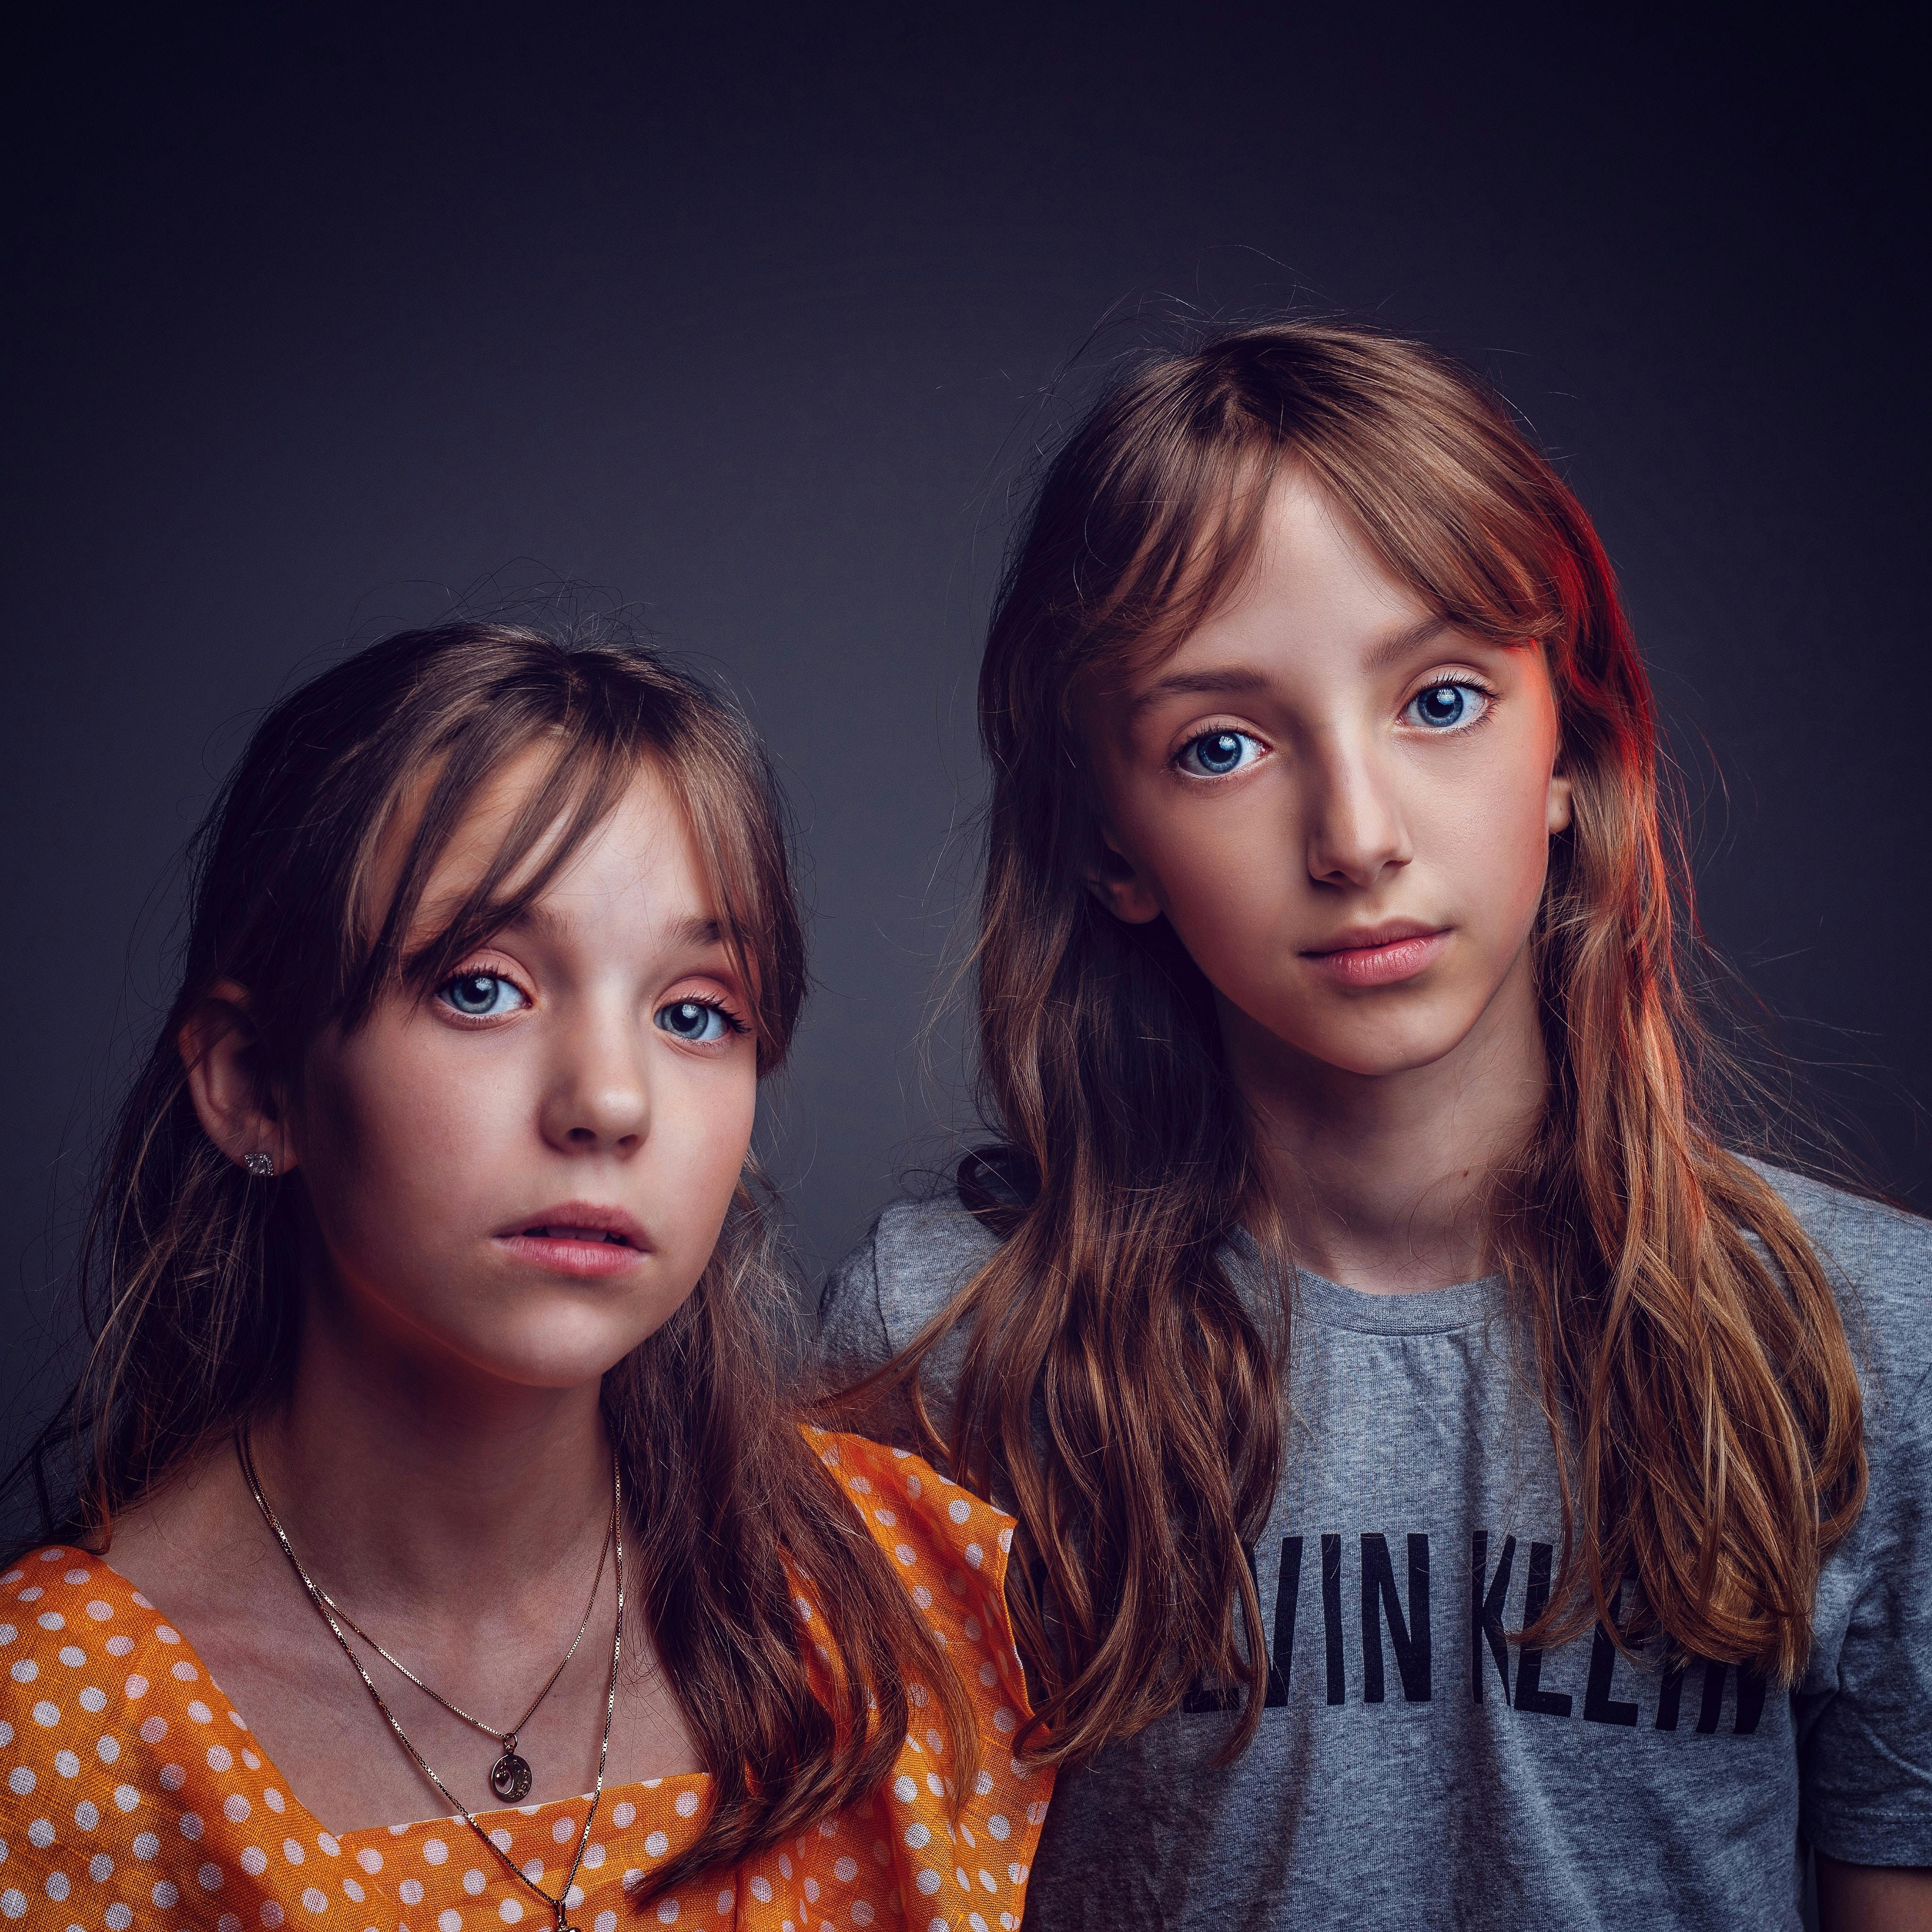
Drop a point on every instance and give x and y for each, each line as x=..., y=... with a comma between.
x=510, y=1775
x=325, y=1608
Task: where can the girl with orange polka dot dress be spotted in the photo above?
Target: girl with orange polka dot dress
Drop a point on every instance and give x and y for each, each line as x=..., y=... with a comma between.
x=428, y=1542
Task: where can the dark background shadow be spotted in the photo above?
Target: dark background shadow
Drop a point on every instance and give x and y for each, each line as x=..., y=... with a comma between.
x=320, y=327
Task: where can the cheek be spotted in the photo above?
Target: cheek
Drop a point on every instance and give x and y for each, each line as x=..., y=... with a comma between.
x=1495, y=828
x=701, y=1120
x=1193, y=852
x=1230, y=872
x=1490, y=839
x=402, y=1144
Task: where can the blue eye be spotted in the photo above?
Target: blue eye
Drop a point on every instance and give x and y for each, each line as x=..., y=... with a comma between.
x=1443, y=707
x=1215, y=753
x=478, y=996
x=695, y=1021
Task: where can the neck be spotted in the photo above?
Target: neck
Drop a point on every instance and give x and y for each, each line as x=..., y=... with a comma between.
x=1382, y=1179
x=406, y=1484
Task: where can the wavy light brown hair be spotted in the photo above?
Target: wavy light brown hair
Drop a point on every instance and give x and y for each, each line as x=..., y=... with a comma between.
x=1694, y=1364
x=189, y=1270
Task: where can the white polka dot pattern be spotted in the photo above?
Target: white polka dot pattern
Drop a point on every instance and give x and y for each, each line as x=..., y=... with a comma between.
x=131, y=1790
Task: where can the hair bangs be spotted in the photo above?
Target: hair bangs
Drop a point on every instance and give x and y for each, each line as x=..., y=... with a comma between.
x=559, y=812
x=1188, y=512
x=604, y=740
x=1175, y=500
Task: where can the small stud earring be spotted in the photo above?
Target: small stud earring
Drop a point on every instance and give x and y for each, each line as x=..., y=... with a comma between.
x=260, y=1165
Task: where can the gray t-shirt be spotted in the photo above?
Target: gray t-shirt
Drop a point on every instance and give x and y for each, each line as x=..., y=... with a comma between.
x=1412, y=1767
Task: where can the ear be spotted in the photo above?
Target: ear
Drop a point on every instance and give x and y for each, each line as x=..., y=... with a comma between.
x=220, y=1053
x=1557, y=815
x=1118, y=884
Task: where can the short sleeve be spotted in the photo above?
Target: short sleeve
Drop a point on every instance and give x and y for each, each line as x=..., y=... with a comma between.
x=1865, y=1713
x=948, y=1869
x=897, y=1282
x=853, y=1337
x=117, y=1751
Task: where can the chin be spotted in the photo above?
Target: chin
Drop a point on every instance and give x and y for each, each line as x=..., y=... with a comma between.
x=554, y=1352
x=1376, y=1050
x=544, y=1369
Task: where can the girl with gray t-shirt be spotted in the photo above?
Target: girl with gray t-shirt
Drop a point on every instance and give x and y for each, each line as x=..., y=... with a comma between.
x=1456, y=1485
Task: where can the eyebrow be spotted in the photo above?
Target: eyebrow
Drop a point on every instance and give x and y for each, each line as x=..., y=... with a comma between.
x=551, y=924
x=1398, y=644
x=697, y=932
x=1240, y=680
x=539, y=918
x=1237, y=680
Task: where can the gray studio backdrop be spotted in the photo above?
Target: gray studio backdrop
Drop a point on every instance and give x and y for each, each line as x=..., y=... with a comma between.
x=750, y=327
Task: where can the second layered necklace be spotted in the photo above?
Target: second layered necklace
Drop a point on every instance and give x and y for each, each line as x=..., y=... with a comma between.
x=510, y=1776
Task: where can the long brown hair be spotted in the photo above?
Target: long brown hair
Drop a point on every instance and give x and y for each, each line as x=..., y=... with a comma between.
x=1695, y=1369
x=187, y=1270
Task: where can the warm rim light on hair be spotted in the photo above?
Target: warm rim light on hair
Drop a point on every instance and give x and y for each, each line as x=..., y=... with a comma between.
x=1716, y=1452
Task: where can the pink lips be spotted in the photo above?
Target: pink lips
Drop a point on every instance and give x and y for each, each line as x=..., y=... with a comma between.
x=578, y=1238
x=1381, y=956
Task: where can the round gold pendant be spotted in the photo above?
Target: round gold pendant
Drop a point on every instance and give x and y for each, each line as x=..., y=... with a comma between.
x=510, y=1779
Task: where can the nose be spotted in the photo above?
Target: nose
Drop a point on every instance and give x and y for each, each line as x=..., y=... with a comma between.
x=1357, y=829
x=597, y=1099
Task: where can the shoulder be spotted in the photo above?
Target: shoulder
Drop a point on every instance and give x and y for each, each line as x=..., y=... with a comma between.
x=950, y=1548
x=127, y=1780
x=1880, y=1258
x=963, y=1853
x=1865, y=1239
x=61, y=1610
x=935, y=1532
x=1879, y=1261
x=83, y=1649
x=925, y=1253
x=917, y=1257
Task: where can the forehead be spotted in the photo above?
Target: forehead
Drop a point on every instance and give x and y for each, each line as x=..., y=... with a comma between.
x=1314, y=582
x=640, y=859
x=1313, y=596
x=640, y=865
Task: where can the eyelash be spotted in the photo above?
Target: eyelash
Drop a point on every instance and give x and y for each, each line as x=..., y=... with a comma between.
x=1461, y=680
x=482, y=970
x=716, y=1005
x=1452, y=681
x=1195, y=738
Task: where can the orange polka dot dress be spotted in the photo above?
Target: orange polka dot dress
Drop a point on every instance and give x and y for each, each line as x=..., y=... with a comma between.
x=132, y=1795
